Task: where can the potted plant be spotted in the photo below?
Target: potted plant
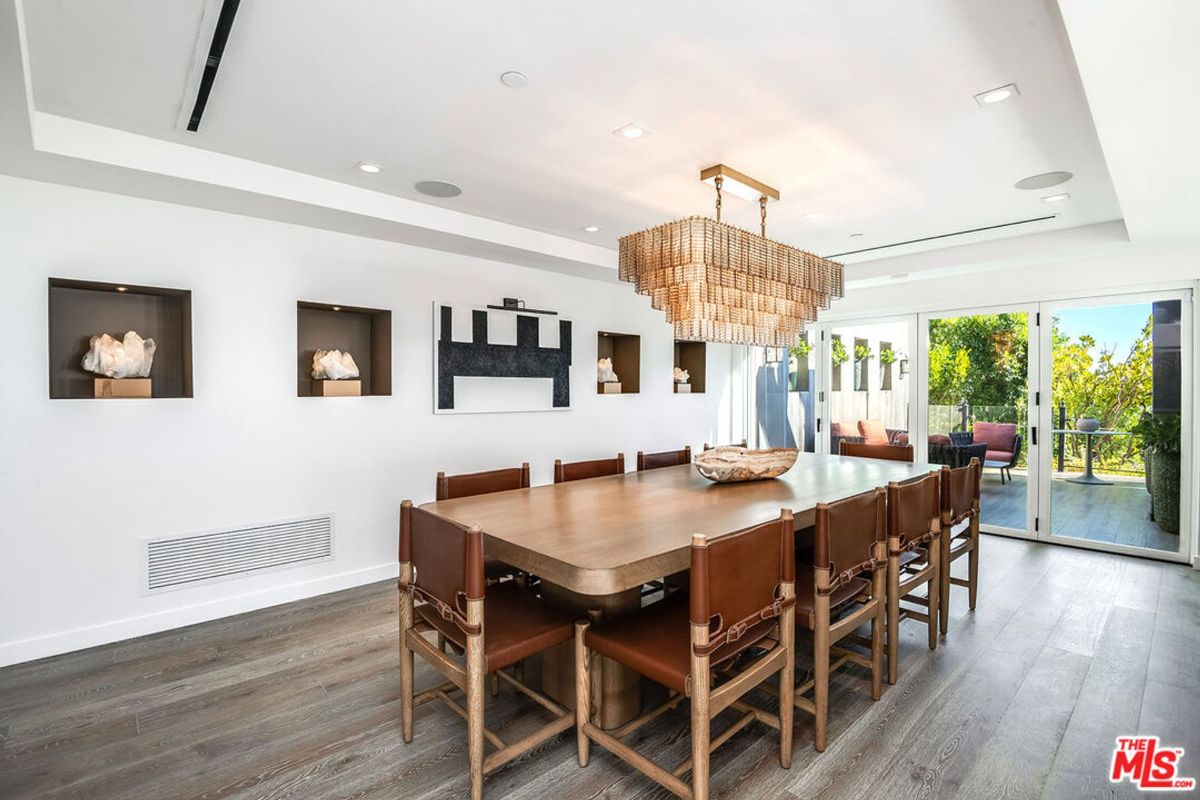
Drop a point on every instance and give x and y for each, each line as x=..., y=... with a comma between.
x=798, y=365
x=838, y=354
x=1088, y=421
x=887, y=356
x=1160, y=435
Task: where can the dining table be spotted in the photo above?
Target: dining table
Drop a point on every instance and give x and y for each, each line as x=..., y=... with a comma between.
x=593, y=544
x=1088, y=477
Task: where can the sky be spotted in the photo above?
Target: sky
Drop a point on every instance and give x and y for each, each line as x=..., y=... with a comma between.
x=1111, y=326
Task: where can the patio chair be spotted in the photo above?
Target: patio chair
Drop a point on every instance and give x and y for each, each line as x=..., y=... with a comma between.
x=943, y=449
x=1003, y=445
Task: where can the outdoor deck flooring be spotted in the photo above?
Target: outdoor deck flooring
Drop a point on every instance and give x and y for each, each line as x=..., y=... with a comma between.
x=1118, y=513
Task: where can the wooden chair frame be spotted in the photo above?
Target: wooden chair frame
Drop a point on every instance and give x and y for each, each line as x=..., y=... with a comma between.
x=468, y=677
x=708, y=701
x=826, y=637
x=683, y=456
x=902, y=579
x=955, y=546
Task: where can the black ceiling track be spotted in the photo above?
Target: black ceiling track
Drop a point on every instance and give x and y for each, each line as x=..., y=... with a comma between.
x=213, y=62
x=942, y=236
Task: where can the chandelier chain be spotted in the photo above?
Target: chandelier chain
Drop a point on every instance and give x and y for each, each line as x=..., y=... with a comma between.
x=717, y=182
x=762, y=209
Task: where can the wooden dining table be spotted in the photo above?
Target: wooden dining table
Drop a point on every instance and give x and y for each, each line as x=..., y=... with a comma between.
x=594, y=543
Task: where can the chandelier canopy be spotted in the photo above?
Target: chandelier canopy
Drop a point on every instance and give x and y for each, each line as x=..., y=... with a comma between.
x=720, y=283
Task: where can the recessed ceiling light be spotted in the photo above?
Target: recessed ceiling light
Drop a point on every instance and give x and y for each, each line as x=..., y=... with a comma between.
x=630, y=131
x=997, y=95
x=369, y=168
x=591, y=228
x=437, y=188
x=900, y=276
x=1043, y=180
x=122, y=289
x=1061, y=197
x=513, y=79
x=856, y=236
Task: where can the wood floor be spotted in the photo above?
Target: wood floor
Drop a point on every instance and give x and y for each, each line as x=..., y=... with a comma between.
x=1067, y=650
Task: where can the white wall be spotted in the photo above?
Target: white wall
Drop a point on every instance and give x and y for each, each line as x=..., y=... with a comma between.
x=82, y=482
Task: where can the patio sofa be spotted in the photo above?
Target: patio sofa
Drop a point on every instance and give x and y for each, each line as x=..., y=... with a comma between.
x=1003, y=444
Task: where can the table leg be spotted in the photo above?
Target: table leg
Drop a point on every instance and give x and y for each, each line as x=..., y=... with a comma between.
x=621, y=692
x=1089, y=477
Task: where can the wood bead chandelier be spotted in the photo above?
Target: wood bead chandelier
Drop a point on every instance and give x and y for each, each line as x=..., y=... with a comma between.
x=720, y=283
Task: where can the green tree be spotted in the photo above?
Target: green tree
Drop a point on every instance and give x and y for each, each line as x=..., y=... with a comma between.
x=979, y=359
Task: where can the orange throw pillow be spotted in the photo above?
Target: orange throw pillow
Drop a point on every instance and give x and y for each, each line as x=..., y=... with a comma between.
x=872, y=431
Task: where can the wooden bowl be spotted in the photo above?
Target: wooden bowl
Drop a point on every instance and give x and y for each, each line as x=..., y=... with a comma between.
x=738, y=464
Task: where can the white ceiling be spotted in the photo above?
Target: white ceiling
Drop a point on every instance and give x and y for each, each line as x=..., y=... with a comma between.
x=862, y=112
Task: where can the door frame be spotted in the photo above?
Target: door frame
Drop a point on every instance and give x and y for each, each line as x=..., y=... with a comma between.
x=1187, y=524
x=1032, y=442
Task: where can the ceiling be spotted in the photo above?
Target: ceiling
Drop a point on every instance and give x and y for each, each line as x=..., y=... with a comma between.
x=860, y=112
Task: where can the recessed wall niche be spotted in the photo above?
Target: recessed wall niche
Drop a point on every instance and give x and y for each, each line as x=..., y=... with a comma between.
x=79, y=310
x=625, y=350
x=693, y=357
x=365, y=332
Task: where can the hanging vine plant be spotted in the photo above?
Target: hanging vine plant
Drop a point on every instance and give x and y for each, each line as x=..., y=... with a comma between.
x=862, y=353
x=887, y=356
x=800, y=349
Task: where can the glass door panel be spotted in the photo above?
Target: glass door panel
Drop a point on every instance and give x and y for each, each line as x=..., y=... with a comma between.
x=870, y=381
x=1117, y=388
x=978, y=393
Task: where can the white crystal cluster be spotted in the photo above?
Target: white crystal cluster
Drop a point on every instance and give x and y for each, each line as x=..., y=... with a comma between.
x=604, y=371
x=333, y=365
x=129, y=358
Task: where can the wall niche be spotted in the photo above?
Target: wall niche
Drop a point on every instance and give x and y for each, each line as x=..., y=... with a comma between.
x=625, y=350
x=365, y=332
x=79, y=310
x=693, y=357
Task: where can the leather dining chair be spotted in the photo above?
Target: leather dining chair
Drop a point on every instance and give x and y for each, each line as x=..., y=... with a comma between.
x=888, y=452
x=671, y=458
x=914, y=536
x=846, y=578
x=742, y=595
x=469, y=484
x=582, y=470
x=442, y=589
x=960, y=503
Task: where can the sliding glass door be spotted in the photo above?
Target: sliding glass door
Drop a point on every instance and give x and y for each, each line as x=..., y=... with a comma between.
x=978, y=390
x=1117, y=373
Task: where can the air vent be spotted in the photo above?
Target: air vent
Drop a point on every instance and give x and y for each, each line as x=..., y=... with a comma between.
x=943, y=236
x=174, y=562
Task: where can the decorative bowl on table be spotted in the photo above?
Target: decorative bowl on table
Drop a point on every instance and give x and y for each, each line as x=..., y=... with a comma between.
x=1087, y=424
x=737, y=464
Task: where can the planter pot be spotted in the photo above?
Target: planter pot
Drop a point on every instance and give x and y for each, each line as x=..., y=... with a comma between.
x=1164, y=492
x=1087, y=424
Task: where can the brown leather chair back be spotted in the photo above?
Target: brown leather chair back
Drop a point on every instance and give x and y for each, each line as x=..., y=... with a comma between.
x=447, y=561
x=846, y=533
x=672, y=458
x=960, y=492
x=888, y=452
x=580, y=470
x=473, y=483
x=736, y=579
x=915, y=509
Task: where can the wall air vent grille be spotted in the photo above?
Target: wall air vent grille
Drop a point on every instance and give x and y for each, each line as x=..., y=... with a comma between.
x=175, y=562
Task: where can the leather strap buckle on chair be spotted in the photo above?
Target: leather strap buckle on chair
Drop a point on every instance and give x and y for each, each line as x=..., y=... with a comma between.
x=447, y=612
x=840, y=579
x=906, y=544
x=738, y=629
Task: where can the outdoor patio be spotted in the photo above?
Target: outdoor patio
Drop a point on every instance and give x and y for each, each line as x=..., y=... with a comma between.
x=1118, y=513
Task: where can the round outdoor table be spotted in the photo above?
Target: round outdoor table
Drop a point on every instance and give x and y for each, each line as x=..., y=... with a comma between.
x=1088, y=477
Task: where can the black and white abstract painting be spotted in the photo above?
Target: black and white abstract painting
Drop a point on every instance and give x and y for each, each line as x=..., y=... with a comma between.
x=487, y=360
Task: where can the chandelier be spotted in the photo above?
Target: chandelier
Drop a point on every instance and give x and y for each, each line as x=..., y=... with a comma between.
x=720, y=283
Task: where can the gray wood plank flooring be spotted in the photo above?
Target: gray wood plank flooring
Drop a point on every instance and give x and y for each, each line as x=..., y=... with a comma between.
x=1023, y=699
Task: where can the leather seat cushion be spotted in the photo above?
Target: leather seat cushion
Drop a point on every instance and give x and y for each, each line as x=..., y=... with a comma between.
x=657, y=642
x=806, y=595
x=516, y=625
